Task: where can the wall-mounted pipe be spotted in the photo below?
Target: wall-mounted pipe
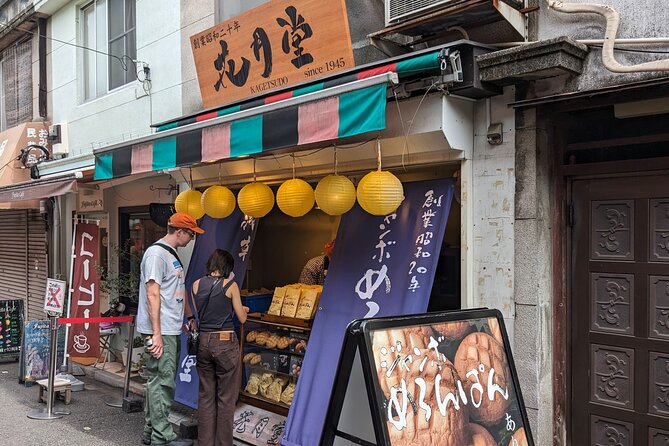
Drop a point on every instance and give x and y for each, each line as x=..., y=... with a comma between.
x=612, y=22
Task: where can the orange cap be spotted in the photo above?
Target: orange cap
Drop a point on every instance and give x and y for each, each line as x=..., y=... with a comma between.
x=184, y=221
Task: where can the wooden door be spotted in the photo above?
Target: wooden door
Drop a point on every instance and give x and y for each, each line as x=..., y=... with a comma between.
x=619, y=312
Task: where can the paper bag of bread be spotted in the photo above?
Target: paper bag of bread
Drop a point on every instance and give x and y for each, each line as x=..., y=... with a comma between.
x=277, y=301
x=290, y=301
x=275, y=389
x=306, y=309
x=287, y=395
x=252, y=385
x=265, y=381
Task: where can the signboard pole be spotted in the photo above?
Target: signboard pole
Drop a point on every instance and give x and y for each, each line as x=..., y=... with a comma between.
x=69, y=293
x=50, y=413
x=128, y=365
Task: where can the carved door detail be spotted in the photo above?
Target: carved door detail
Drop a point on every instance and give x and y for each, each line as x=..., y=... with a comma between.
x=619, y=312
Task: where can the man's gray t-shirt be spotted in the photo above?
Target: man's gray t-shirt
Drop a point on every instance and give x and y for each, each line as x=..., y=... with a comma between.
x=161, y=266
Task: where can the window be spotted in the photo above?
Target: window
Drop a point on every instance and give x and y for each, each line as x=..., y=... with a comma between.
x=231, y=8
x=16, y=87
x=109, y=27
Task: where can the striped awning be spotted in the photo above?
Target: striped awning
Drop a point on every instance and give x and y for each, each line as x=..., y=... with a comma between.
x=339, y=108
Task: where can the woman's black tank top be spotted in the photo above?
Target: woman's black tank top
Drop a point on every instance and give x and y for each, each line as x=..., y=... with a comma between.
x=217, y=314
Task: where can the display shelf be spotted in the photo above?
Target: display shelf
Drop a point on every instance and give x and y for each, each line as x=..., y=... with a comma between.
x=255, y=368
x=281, y=321
x=264, y=403
x=281, y=351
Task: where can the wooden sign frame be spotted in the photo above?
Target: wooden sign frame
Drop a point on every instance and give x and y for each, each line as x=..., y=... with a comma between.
x=276, y=45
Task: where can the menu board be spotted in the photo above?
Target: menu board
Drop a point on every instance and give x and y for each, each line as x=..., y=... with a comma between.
x=11, y=321
x=35, y=356
x=442, y=378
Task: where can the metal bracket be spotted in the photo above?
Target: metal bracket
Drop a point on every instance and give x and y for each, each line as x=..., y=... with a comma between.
x=171, y=188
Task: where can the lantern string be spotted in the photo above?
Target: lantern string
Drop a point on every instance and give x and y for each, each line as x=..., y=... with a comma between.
x=190, y=172
x=378, y=153
x=219, y=172
x=293, y=166
x=254, y=170
x=335, y=159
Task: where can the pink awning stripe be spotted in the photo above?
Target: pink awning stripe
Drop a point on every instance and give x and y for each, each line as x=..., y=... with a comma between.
x=216, y=142
x=318, y=121
x=141, y=158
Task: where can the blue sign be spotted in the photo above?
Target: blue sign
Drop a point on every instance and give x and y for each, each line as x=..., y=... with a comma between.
x=234, y=234
x=381, y=266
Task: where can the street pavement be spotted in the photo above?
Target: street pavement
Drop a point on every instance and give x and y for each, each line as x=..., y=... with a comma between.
x=92, y=422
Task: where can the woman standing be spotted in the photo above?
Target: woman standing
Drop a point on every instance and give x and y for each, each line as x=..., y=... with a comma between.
x=216, y=296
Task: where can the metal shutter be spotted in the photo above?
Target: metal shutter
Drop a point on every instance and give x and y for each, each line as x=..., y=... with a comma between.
x=37, y=265
x=23, y=259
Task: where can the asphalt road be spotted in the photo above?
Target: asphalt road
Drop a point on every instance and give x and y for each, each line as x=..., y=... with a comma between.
x=92, y=422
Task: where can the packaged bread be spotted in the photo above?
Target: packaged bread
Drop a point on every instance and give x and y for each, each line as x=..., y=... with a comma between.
x=252, y=384
x=275, y=389
x=283, y=342
x=261, y=338
x=290, y=302
x=247, y=357
x=266, y=380
x=306, y=309
x=251, y=336
x=277, y=301
x=255, y=359
x=287, y=395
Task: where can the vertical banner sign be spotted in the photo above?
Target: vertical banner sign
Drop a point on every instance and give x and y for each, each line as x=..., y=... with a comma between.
x=277, y=44
x=234, y=234
x=55, y=297
x=84, y=340
x=381, y=266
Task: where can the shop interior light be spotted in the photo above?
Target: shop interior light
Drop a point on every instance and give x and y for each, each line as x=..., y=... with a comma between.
x=218, y=201
x=190, y=202
x=380, y=192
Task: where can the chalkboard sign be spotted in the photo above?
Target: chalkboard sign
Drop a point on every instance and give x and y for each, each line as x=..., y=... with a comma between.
x=35, y=351
x=11, y=322
x=441, y=378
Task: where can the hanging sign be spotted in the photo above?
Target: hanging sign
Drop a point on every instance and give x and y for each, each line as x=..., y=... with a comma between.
x=433, y=379
x=275, y=45
x=381, y=266
x=90, y=200
x=84, y=340
x=234, y=234
x=54, y=300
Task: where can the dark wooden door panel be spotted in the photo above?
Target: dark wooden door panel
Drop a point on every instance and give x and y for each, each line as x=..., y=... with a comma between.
x=619, y=312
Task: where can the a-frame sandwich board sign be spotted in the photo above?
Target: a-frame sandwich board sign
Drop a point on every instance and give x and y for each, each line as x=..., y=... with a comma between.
x=436, y=378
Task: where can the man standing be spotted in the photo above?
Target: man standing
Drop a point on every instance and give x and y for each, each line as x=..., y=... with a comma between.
x=316, y=269
x=162, y=295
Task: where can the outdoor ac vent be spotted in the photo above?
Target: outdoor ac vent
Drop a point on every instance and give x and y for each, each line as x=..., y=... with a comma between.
x=398, y=10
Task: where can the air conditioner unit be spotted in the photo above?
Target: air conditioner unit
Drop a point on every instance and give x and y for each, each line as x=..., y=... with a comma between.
x=398, y=10
x=58, y=139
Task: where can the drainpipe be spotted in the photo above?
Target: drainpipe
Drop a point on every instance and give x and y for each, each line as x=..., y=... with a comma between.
x=612, y=21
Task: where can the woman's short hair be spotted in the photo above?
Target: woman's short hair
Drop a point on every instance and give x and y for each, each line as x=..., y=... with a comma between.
x=221, y=261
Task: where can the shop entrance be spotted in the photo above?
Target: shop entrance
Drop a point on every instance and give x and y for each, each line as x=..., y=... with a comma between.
x=620, y=311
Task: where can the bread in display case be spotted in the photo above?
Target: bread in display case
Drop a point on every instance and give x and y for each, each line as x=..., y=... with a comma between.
x=272, y=354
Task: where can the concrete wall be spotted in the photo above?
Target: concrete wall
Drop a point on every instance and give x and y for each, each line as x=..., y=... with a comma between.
x=637, y=20
x=128, y=108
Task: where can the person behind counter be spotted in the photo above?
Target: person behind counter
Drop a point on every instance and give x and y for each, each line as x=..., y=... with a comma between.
x=216, y=296
x=316, y=269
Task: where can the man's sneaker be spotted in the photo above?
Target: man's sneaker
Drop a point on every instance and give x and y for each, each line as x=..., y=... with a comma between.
x=146, y=438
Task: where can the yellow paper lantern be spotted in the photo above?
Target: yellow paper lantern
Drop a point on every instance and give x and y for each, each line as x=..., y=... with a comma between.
x=190, y=202
x=335, y=194
x=295, y=197
x=218, y=201
x=255, y=199
x=380, y=192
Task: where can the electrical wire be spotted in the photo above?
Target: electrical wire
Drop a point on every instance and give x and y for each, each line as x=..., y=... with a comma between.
x=629, y=50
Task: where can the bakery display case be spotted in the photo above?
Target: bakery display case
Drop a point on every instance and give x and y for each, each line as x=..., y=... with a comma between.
x=273, y=348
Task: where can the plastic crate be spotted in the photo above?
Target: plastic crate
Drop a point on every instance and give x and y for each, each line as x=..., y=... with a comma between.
x=258, y=303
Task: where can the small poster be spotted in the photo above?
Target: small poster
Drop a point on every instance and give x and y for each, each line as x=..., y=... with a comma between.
x=55, y=297
x=11, y=322
x=36, y=350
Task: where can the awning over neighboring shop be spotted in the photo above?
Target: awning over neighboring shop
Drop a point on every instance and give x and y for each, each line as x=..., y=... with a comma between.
x=37, y=189
x=338, y=108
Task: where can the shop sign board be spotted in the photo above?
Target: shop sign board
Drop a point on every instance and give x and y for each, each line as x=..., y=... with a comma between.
x=256, y=426
x=54, y=300
x=432, y=376
x=11, y=322
x=277, y=44
x=90, y=200
x=84, y=339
